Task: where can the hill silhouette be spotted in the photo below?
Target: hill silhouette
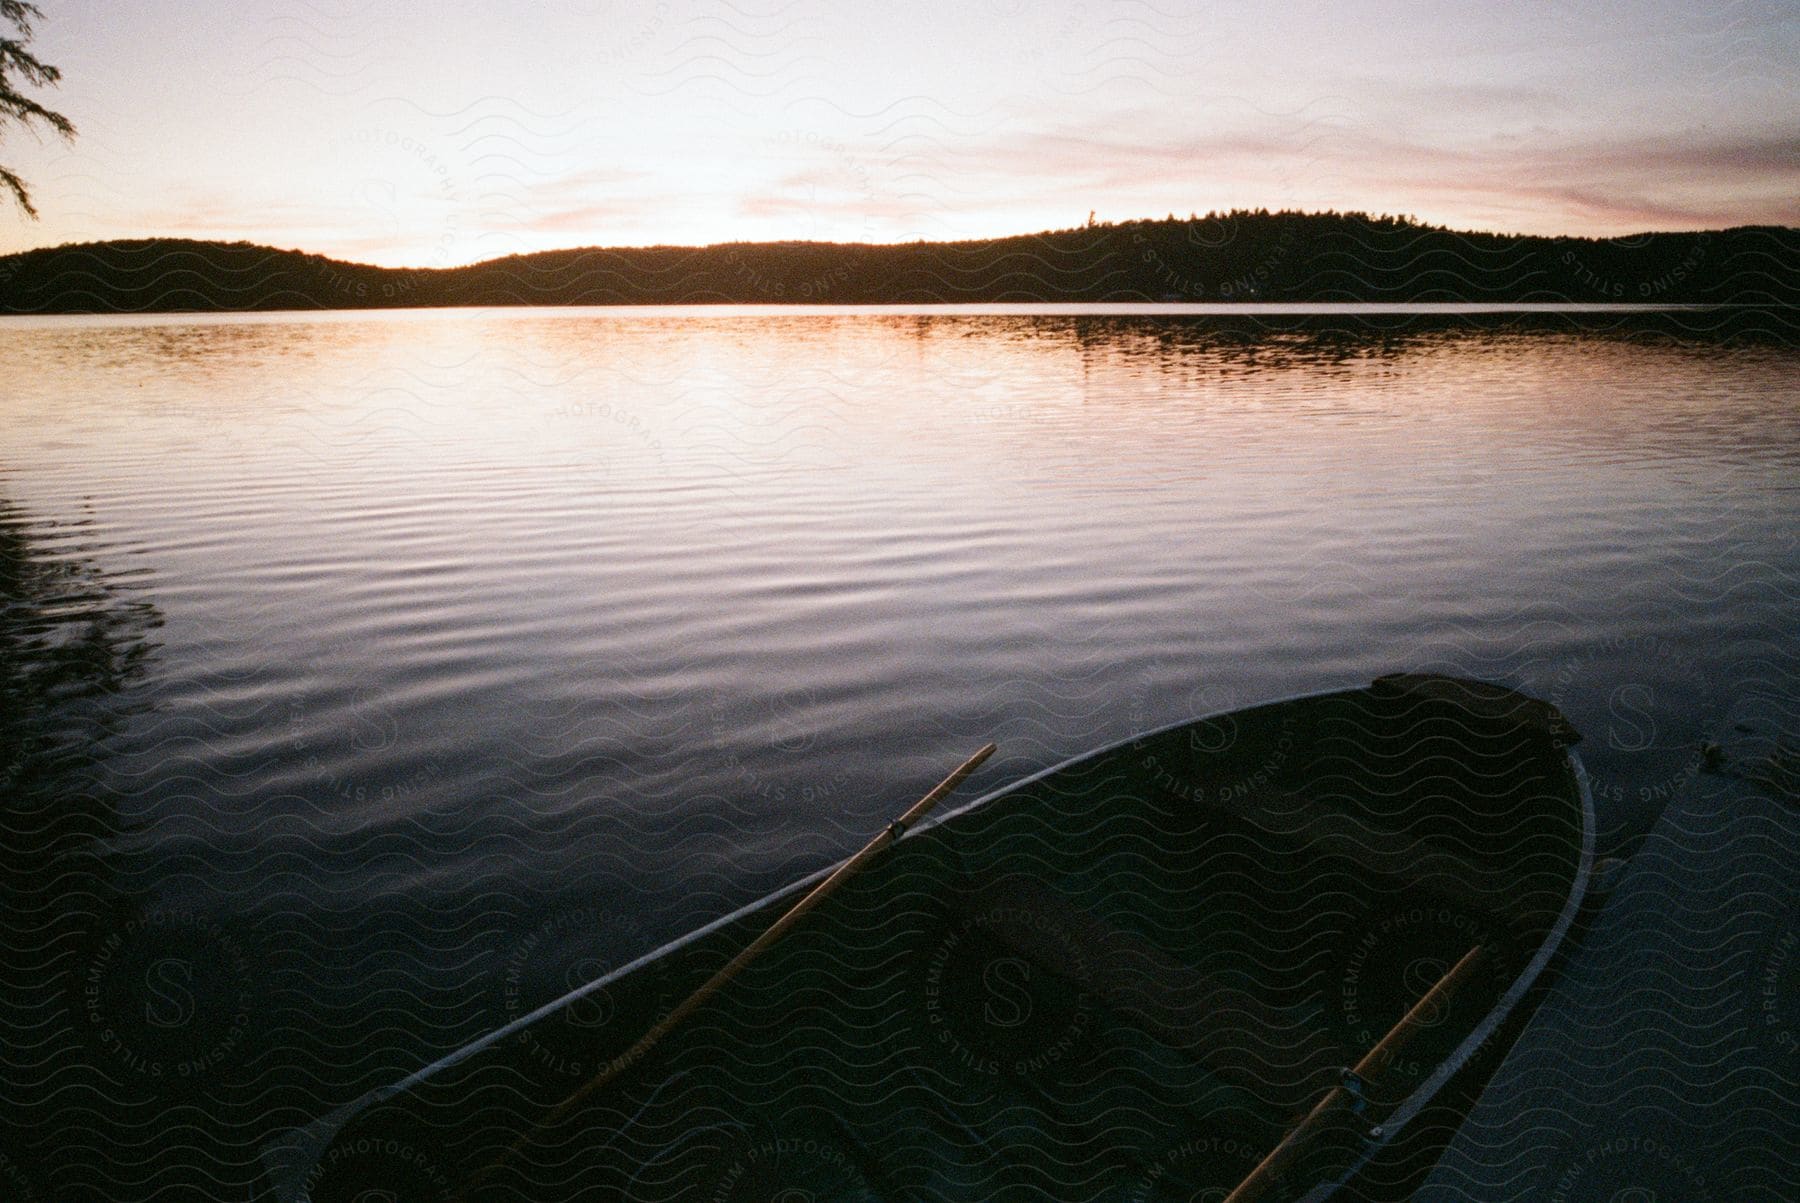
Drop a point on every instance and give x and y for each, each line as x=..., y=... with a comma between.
x=1238, y=256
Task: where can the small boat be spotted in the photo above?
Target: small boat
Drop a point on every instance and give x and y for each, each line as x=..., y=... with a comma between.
x=1129, y=977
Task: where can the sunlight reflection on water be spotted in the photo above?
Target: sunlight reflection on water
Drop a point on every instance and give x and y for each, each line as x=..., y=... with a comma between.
x=464, y=617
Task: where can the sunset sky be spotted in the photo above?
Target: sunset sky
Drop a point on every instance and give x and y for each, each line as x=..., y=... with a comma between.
x=402, y=132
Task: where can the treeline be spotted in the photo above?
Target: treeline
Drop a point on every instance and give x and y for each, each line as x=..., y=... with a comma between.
x=1238, y=256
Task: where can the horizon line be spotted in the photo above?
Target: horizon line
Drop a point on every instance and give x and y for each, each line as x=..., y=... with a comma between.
x=1394, y=219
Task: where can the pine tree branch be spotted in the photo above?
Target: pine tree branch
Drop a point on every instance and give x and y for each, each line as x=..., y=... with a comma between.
x=25, y=110
x=16, y=107
x=14, y=56
x=19, y=13
x=16, y=186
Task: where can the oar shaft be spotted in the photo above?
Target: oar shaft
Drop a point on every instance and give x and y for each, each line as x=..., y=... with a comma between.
x=782, y=925
x=1271, y=1167
x=736, y=965
x=1437, y=996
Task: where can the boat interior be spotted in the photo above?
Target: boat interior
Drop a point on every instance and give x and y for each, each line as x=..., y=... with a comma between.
x=1123, y=979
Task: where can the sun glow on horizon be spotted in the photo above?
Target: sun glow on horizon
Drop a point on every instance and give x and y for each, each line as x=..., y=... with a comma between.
x=439, y=135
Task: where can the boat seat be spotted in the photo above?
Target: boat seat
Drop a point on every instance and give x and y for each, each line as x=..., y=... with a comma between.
x=1409, y=860
x=1281, y=1056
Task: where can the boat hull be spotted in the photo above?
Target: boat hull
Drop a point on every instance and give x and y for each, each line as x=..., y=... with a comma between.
x=1121, y=978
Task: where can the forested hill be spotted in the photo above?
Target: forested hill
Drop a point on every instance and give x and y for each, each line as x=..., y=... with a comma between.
x=1256, y=256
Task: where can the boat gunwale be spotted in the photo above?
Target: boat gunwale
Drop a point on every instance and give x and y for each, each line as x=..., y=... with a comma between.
x=304, y=1146
x=1459, y=1057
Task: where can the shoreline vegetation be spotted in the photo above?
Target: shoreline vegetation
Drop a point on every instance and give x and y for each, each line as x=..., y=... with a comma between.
x=1241, y=256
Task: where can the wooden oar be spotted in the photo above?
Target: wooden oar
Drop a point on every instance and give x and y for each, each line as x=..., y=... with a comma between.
x=1265, y=1174
x=755, y=948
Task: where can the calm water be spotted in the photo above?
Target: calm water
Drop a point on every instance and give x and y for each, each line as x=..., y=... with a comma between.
x=370, y=679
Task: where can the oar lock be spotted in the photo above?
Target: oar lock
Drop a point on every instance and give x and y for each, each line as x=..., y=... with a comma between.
x=1356, y=1090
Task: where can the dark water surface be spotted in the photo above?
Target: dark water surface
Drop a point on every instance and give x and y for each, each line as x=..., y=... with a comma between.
x=371, y=679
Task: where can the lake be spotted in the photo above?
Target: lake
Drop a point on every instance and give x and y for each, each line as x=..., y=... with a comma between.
x=370, y=679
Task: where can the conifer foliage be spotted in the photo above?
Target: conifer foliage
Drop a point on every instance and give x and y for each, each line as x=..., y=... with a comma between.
x=20, y=68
